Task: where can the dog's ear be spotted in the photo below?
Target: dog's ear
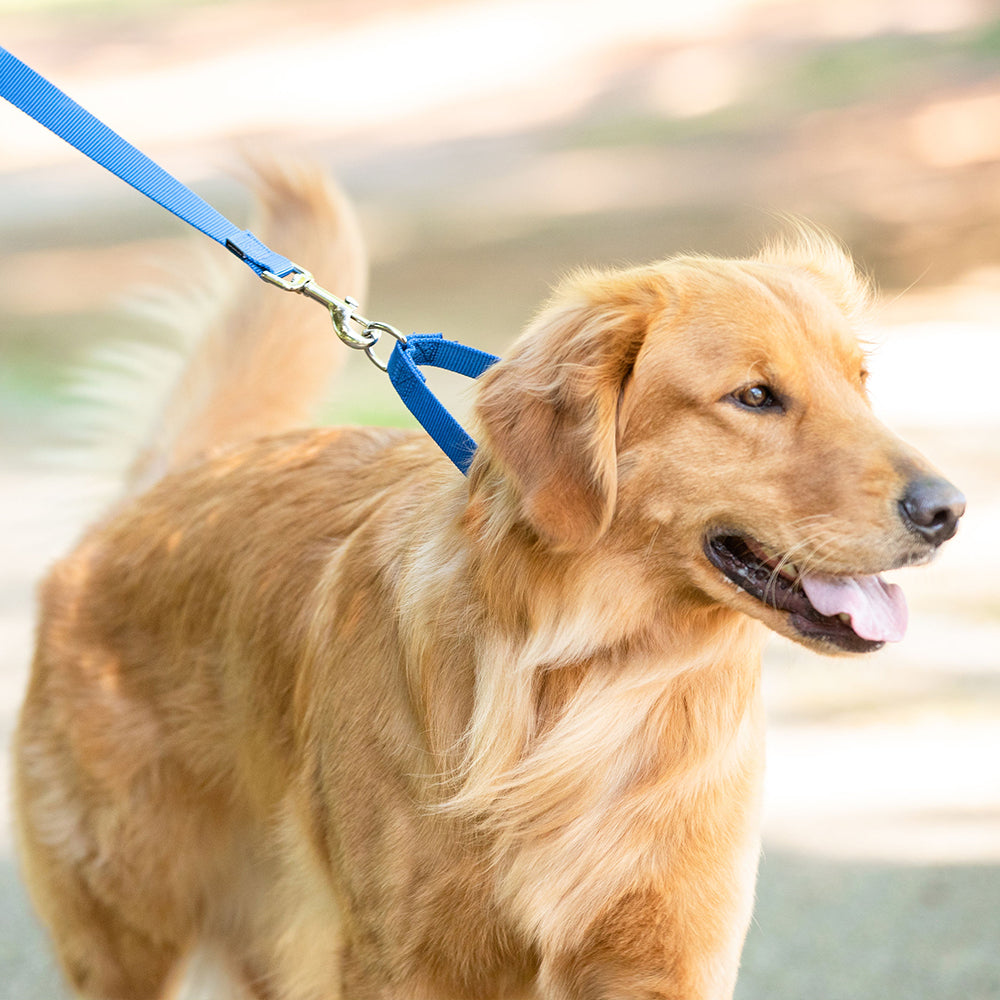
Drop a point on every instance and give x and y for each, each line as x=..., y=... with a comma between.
x=547, y=414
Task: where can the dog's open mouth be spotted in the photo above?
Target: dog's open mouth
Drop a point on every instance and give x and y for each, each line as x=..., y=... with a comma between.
x=857, y=614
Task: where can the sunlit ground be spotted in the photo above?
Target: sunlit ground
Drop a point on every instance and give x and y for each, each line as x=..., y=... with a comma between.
x=491, y=146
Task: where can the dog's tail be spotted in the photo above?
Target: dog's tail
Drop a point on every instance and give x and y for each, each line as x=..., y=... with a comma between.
x=265, y=356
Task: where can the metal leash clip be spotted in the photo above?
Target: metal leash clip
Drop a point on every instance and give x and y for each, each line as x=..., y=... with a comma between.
x=342, y=313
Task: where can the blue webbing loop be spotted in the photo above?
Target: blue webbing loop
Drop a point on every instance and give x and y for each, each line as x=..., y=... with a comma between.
x=409, y=382
x=49, y=106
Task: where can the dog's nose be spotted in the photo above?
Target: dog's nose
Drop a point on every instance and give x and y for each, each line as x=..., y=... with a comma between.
x=931, y=507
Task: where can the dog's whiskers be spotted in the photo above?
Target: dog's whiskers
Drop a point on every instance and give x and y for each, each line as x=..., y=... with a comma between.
x=805, y=556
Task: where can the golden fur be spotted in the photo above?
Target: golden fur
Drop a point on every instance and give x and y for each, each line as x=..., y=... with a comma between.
x=318, y=712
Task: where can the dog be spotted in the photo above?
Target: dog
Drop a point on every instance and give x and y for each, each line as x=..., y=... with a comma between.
x=312, y=710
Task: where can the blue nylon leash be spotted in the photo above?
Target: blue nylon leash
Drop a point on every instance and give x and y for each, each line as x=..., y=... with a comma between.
x=49, y=106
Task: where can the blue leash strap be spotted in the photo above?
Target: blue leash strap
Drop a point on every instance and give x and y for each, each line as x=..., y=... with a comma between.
x=409, y=382
x=49, y=106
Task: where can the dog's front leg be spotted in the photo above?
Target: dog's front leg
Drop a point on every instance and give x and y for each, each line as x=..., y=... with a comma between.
x=669, y=923
x=649, y=949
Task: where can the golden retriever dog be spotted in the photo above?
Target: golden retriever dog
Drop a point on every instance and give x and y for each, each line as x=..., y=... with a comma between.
x=314, y=712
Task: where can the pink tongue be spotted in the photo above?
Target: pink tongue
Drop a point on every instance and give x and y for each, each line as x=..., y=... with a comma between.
x=877, y=609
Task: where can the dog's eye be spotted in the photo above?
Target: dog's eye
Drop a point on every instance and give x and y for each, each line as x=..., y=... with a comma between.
x=756, y=397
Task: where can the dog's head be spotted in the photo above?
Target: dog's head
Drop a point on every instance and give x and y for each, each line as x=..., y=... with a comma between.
x=713, y=415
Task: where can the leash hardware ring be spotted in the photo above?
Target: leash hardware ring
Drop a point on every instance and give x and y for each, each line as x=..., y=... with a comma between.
x=376, y=329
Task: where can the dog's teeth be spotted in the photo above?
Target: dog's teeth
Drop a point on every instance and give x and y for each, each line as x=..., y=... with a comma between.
x=844, y=617
x=788, y=571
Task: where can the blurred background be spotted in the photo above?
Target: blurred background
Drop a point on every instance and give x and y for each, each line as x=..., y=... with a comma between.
x=492, y=145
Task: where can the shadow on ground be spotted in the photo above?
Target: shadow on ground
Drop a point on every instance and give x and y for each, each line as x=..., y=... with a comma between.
x=29, y=971
x=855, y=931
